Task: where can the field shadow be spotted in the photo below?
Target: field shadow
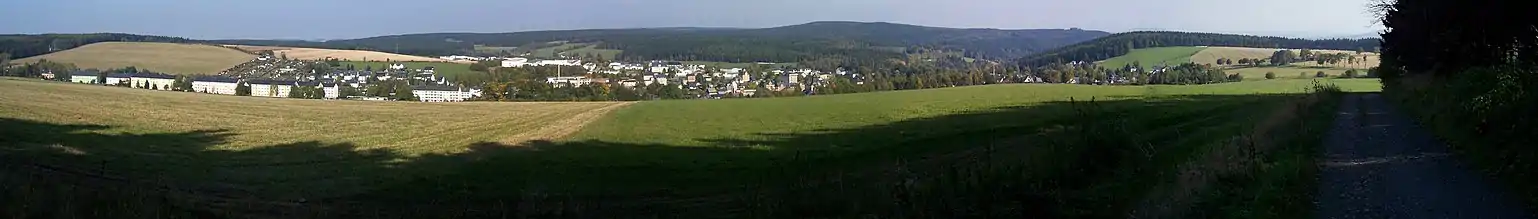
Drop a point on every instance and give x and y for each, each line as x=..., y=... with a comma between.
x=941, y=166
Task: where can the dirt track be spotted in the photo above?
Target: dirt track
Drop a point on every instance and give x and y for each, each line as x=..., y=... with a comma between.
x=1379, y=164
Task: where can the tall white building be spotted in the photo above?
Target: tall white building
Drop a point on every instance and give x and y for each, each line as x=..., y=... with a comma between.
x=432, y=93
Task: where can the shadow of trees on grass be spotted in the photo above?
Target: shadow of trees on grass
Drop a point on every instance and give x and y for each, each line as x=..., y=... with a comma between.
x=1055, y=159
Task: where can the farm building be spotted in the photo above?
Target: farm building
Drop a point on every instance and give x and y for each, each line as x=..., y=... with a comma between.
x=155, y=81
x=270, y=88
x=215, y=85
x=439, y=93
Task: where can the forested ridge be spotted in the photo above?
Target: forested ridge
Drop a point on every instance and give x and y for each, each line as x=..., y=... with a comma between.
x=796, y=43
x=1123, y=43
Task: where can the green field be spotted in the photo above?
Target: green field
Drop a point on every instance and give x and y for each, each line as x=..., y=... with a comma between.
x=442, y=69
x=675, y=150
x=188, y=59
x=1153, y=56
x=592, y=49
x=817, y=155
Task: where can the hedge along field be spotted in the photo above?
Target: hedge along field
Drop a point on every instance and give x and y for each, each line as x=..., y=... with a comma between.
x=269, y=148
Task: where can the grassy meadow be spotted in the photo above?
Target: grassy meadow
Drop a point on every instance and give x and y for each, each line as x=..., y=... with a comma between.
x=266, y=147
x=987, y=150
x=172, y=58
x=1154, y=56
x=823, y=153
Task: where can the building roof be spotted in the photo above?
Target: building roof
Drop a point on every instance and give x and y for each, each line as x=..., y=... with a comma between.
x=120, y=75
x=86, y=72
x=153, y=75
x=218, y=79
x=308, y=83
x=270, y=82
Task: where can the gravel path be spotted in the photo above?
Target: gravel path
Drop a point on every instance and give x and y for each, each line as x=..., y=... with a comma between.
x=1379, y=164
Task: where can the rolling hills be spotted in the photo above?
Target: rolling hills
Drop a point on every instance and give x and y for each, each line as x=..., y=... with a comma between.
x=337, y=54
x=23, y=46
x=662, y=157
x=779, y=44
x=158, y=57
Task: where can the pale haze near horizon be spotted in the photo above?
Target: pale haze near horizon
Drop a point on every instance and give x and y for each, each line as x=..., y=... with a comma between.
x=345, y=19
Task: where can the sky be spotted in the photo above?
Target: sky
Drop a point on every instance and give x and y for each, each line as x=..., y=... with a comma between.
x=346, y=19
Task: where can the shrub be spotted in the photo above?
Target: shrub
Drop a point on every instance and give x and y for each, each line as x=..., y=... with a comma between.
x=1270, y=75
x=1349, y=74
x=1320, y=74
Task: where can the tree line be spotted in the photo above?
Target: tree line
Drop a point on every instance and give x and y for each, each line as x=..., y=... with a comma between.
x=1470, y=68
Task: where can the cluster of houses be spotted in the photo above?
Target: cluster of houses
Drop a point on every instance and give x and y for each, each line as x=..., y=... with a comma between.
x=224, y=85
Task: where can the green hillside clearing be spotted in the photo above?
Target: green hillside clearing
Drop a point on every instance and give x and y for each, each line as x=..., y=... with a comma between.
x=1154, y=56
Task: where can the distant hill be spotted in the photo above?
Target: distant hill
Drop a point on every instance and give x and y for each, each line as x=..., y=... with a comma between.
x=171, y=58
x=1123, y=43
x=22, y=46
x=846, y=40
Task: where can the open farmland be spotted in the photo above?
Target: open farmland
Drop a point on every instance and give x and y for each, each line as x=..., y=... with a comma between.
x=1153, y=56
x=259, y=148
x=339, y=54
x=1211, y=55
x=691, y=157
x=159, y=57
x=687, y=157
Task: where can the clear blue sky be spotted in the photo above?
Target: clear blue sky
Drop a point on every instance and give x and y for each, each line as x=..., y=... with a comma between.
x=337, y=19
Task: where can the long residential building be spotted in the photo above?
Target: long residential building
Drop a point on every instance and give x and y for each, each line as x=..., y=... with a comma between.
x=215, y=85
x=153, y=80
x=440, y=93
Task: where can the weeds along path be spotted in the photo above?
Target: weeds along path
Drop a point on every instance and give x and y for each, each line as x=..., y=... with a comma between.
x=1377, y=163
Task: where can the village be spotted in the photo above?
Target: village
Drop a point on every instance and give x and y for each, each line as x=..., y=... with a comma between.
x=275, y=77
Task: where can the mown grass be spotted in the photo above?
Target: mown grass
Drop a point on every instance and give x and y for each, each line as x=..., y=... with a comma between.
x=282, y=149
x=172, y=58
x=1169, y=56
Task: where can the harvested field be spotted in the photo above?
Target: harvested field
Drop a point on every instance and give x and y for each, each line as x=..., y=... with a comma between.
x=344, y=55
x=170, y=58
